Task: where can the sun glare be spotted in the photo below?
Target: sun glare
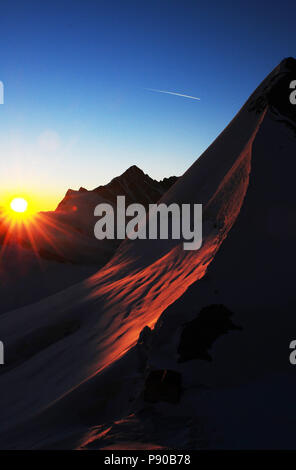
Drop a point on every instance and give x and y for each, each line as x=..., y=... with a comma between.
x=19, y=205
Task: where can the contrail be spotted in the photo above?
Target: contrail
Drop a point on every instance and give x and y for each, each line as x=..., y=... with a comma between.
x=173, y=93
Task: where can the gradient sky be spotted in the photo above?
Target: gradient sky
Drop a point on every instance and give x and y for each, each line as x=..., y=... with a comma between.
x=77, y=111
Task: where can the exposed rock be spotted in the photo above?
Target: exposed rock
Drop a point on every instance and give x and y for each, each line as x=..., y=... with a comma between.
x=199, y=334
x=144, y=335
x=163, y=385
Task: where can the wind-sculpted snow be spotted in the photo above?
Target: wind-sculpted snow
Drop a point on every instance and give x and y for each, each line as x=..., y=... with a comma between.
x=95, y=373
x=115, y=304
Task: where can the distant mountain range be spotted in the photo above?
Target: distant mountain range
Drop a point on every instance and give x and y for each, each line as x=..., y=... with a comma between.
x=67, y=234
x=134, y=184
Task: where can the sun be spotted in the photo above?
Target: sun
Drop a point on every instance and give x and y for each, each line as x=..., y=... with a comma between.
x=18, y=210
x=19, y=205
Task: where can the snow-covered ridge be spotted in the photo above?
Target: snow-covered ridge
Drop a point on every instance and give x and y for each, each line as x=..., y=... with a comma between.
x=75, y=361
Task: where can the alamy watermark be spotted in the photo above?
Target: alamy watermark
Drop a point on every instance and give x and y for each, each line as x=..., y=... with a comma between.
x=292, y=357
x=1, y=353
x=293, y=94
x=1, y=93
x=162, y=222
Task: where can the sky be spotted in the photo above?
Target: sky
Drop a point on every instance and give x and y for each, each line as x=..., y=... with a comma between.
x=78, y=77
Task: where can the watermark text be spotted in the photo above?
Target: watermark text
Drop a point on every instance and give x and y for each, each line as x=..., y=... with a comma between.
x=162, y=222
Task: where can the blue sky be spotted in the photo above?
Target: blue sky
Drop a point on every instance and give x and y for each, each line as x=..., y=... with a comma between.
x=77, y=111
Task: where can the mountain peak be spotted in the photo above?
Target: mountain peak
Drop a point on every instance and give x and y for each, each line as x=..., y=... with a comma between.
x=289, y=63
x=133, y=183
x=133, y=170
x=274, y=91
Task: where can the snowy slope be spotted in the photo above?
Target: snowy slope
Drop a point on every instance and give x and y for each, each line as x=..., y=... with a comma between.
x=73, y=362
x=26, y=278
x=57, y=249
